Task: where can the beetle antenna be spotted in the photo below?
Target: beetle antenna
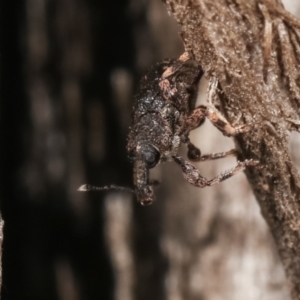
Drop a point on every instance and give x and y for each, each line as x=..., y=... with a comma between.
x=89, y=187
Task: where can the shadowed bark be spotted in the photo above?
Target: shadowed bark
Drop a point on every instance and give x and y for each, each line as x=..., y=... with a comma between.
x=1, y=241
x=252, y=47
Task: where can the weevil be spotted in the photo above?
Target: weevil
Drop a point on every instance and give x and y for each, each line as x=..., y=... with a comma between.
x=163, y=115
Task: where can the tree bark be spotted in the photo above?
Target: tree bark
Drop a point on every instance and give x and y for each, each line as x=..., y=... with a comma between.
x=252, y=47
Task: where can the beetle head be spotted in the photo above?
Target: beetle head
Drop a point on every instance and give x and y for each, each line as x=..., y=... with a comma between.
x=145, y=157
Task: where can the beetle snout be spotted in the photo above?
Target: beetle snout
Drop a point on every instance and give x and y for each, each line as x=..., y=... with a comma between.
x=147, y=157
x=145, y=195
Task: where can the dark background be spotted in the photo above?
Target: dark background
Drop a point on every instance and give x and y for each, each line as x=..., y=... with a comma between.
x=68, y=69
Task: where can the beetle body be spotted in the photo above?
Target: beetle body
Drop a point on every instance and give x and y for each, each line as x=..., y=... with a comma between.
x=163, y=115
x=166, y=96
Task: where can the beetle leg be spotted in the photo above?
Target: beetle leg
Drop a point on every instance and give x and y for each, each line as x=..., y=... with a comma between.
x=219, y=121
x=195, y=119
x=194, y=154
x=215, y=116
x=213, y=156
x=172, y=69
x=192, y=175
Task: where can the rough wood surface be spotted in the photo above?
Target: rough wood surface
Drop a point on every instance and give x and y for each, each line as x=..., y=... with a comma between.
x=252, y=47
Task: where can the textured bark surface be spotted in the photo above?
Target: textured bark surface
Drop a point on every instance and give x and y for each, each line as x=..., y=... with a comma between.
x=252, y=47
